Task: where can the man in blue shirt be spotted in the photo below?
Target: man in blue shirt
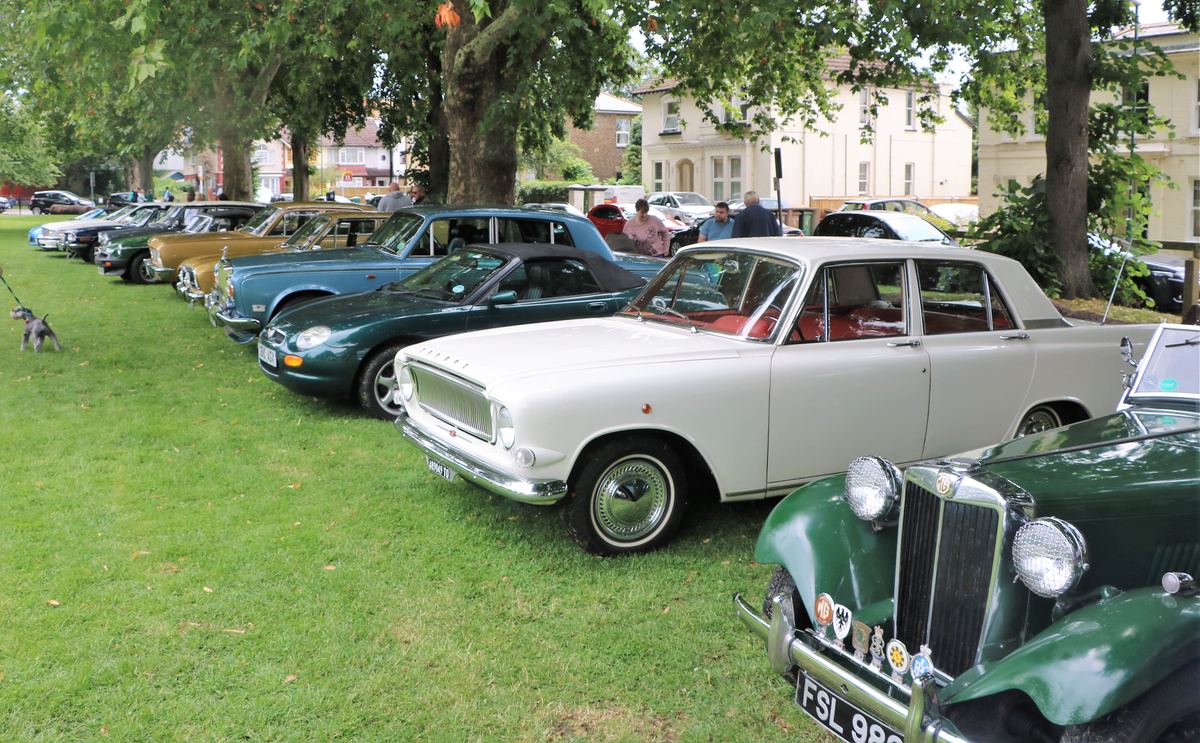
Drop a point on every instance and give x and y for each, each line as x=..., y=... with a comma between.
x=755, y=220
x=717, y=227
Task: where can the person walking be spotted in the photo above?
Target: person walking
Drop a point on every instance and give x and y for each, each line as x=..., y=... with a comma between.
x=650, y=236
x=167, y=195
x=717, y=227
x=755, y=220
x=393, y=199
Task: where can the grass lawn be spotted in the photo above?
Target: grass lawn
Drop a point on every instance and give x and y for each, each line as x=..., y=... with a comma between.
x=189, y=551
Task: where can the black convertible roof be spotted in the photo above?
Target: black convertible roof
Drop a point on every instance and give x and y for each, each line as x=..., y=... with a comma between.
x=612, y=278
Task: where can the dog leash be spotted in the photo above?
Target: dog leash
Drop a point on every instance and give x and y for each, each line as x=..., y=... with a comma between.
x=10, y=291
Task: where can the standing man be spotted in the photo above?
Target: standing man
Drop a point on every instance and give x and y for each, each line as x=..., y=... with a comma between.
x=717, y=227
x=393, y=199
x=755, y=220
x=418, y=193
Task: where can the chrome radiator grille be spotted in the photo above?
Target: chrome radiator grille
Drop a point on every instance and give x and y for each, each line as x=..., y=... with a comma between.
x=944, y=576
x=453, y=401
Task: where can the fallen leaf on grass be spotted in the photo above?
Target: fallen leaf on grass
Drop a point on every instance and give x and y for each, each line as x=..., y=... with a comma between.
x=104, y=729
x=39, y=484
x=140, y=553
x=666, y=610
x=295, y=523
x=330, y=567
x=105, y=567
x=207, y=589
x=234, y=631
x=294, y=486
x=54, y=602
x=85, y=363
x=170, y=568
x=289, y=678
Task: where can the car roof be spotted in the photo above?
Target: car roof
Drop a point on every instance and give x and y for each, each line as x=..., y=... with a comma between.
x=612, y=277
x=893, y=218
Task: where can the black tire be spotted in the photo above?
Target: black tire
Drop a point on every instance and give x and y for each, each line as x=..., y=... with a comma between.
x=139, y=270
x=377, y=381
x=86, y=255
x=1168, y=713
x=36, y=209
x=1040, y=418
x=627, y=470
x=781, y=582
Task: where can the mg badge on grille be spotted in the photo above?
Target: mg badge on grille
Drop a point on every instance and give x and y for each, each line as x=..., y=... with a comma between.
x=944, y=481
x=898, y=658
x=861, y=639
x=841, y=623
x=877, y=649
x=922, y=664
x=824, y=613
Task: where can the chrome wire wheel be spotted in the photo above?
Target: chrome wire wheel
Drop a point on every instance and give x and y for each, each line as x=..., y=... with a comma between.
x=145, y=272
x=632, y=498
x=385, y=390
x=1041, y=418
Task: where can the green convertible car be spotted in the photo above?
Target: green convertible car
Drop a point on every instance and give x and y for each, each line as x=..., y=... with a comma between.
x=343, y=346
x=1037, y=590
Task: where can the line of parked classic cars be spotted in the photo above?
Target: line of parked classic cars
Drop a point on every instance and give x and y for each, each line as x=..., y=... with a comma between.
x=1037, y=587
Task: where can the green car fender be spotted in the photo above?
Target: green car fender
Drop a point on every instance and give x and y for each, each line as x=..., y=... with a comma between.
x=827, y=549
x=1094, y=660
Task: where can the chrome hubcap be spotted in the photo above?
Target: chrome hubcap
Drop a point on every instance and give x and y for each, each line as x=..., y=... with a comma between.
x=631, y=499
x=1038, y=421
x=145, y=272
x=385, y=389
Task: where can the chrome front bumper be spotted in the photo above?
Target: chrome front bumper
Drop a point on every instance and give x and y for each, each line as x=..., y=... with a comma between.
x=235, y=322
x=188, y=292
x=918, y=720
x=535, y=492
x=163, y=273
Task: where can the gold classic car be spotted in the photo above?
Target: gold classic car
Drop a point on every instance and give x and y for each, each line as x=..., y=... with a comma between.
x=267, y=229
x=328, y=231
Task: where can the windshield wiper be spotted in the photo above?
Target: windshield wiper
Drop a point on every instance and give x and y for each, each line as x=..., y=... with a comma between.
x=683, y=317
x=1194, y=341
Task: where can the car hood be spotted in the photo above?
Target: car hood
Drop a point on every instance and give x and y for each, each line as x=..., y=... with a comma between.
x=75, y=225
x=121, y=233
x=311, y=259
x=1167, y=262
x=354, y=311
x=184, y=238
x=489, y=357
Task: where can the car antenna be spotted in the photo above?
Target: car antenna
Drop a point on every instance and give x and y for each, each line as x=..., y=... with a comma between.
x=1120, y=271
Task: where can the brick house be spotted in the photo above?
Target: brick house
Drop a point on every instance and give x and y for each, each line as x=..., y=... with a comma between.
x=603, y=146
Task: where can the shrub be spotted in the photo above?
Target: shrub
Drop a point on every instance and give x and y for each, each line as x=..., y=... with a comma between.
x=542, y=191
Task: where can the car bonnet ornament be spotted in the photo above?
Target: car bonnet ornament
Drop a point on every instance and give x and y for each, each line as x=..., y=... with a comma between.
x=861, y=639
x=824, y=613
x=842, y=619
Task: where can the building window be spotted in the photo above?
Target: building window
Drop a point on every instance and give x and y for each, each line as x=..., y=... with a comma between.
x=350, y=156
x=1196, y=207
x=737, y=112
x=735, y=177
x=718, y=178
x=1138, y=101
x=263, y=154
x=727, y=178
x=269, y=182
x=623, y=132
x=910, y=178
x=910, y=109
x=659, y=181
x=864, y=178
x=864, y=107
x=671, y=116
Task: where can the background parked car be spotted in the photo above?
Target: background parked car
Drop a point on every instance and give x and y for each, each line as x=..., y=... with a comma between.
x=1164, y=285
x=556, y=206
x=43, y=202
x=881, y=225
x=907, y=206
x=610, y=220
x=4, y=204
x=688, y=207
x=996, y=576
x=96, y=213
x=79, y=239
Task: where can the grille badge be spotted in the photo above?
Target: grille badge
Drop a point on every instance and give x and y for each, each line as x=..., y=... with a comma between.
x=861, y=639
x=877, y=649
x=898, y=658
x=944, y=481
x=922, y=664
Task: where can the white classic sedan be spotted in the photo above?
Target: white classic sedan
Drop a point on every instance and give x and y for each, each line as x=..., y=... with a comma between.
x=748, y=367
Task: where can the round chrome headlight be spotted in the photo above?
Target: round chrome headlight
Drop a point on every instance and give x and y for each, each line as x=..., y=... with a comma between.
x=313, y=336
x=404, y=381
x=71, y=237
x=872, y=487
x=1049, y=555
x=504, y=428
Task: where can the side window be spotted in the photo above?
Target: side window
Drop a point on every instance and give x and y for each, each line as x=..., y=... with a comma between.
x=959, y=298
x=447, y=235
x=848, y=302
x=524, y=231
x=871, y=228
x=544, y=279
x=289, y=223
x=560, y=234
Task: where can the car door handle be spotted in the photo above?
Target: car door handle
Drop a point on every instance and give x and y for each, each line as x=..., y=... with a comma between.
x=597, y=306
x=1015, y=337
x=915, y=343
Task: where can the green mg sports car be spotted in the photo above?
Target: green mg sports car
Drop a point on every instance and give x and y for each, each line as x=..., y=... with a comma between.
x=1037, y=590
x=343, y=346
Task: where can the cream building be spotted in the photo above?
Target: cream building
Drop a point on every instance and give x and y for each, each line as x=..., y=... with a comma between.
x=683, y=152
x=1176, y=217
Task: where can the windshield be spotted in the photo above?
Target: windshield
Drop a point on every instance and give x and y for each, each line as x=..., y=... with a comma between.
x=691, y=199
x=120, y=214
x=919, y=230
x=1172, y=367
x=167, y=216
x=198, y=223
x=729, y=292
x=394, y=234
x=454, y=277
x=141, y=215
x=262, y=219
x=301, y=238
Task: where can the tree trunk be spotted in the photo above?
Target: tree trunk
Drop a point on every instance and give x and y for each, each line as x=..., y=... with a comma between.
x=235, y=169
x=300, y=151
x=439, y=139
x=483, y=148
x=144, y=165
x=1068, y=87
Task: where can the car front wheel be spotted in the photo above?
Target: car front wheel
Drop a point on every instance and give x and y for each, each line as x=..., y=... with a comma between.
x=140, y=270
x=1041, y=418
x=377, y=384
x=629, y=496
x=1168, y=713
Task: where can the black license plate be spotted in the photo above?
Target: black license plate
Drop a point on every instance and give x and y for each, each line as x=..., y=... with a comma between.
x=839, y=716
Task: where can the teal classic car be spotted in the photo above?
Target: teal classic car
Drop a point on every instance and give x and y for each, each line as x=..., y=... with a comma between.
x=126, y=252
x=344, y=346
x=1037, y=590
x=251, y=290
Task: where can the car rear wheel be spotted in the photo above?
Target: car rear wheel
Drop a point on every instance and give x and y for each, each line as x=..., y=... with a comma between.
x=140, y=270
x=376, y=386
x=629, y=496
x=1168, y=713
x=36, y=210
x=1041, y=418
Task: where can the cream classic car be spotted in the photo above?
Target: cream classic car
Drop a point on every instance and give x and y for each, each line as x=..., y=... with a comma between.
x=748, y=367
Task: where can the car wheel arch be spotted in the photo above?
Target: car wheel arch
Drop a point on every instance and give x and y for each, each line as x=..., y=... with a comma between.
x=296, y=297
x=700, y=472
x=1069, y=410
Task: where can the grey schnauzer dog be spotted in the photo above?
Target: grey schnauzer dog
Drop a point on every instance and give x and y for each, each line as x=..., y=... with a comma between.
x=36, y=328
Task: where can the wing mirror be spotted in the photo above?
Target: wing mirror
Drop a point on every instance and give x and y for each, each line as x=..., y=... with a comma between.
x=507, y=296
x=1127, y=354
